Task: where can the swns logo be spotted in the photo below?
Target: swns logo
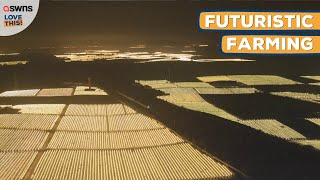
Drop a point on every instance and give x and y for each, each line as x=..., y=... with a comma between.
x=17, y=8
x=11, y=20
x=17, y=15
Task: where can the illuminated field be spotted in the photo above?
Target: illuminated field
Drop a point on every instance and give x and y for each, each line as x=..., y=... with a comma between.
x=313, y=143
x=173, y=162
x=91, y=55
x=39, y=108
x=317, y=78
x=314, y=120
x=27, y=121
x=11, y=63
x=78, y=90
x=262, y=80
x=83, y=90
x=29, y=92
x=193, y=85
x=213, y=90
x=11, y=139
x=186, y=95
x=15, y=164
x=315, y=98
x=56, y=92
x=315, y=84
x=95, y=109
x=141, y=55
x=214, y=78
x=189, y=95
x=84, y=123
x=132, y=122
x=251, y=79
x=96, y=141
x=274, y=128
x=113, y=140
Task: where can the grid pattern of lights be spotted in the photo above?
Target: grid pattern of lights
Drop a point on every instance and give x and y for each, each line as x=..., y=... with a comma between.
x=27, y=121
x=274, y=128
x=170, y=162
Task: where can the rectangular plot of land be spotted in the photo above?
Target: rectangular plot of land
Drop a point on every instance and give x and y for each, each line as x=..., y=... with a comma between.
x=317, y=78
x=274, y=128
x=29, y=92
x=85, y=91
x=150, y=82
x=261, y=105
x=182, y=97
x=243, y=90
x=314, y=120
x=91, y=164
x=132, y=122
x=213, y=90
x=84, y=123
x=11, y=140
x=226, y=90
x=72, y=165
x=162, y=85
x=39, y=108
x=115, y=109
x=138, y=139
x=15, y=164
x=114, y=140
x=129, y=110
x=139, y=165
x=313, y=143
x=56, y=92
x=315, y=84
x=79, y=140
x=207, y=108
x=192, y=84
x=169, y=162
x=184, y=162
x=315, y=98
x=262, y=80
x=178, y=90
x=87, y=109
x=213, y=78
x=28, y=121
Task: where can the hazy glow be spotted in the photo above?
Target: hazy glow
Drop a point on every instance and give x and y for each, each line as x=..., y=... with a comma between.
x=223, y=60
x=91, y=55
x=13, y=63
x=10, y=54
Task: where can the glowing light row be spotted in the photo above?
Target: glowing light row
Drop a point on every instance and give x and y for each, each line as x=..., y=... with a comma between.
x=173, y=162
